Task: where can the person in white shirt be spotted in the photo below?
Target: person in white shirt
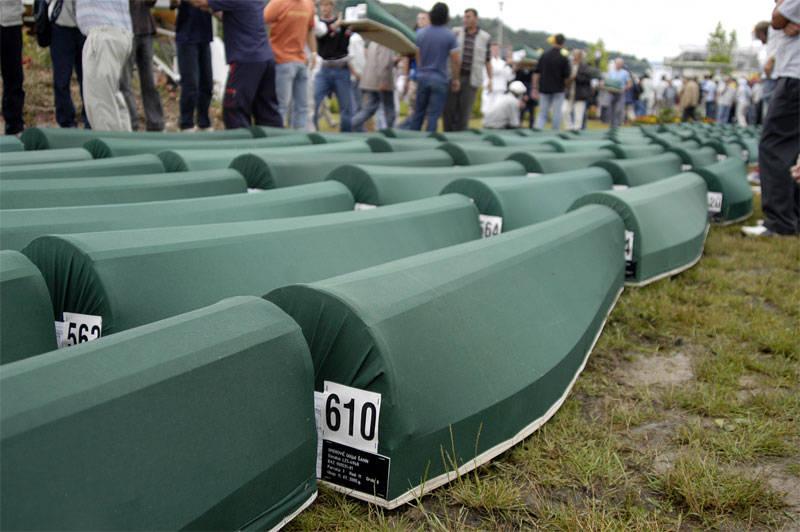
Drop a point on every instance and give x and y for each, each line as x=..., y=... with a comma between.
x=709, y=88
x=743, y=101
x=502, y=74
x=504, y=113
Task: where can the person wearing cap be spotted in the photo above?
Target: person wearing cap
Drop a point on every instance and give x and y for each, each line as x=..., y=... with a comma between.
x=504, y=112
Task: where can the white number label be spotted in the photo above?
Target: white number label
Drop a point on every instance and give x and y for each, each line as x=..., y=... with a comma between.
x=490, y=225
x=358, y=12
x=686, y=167
x=620, y=187
x=363, y=206
x=714, y=202
x=350, y=416
x=80, y=328
x=629, y=245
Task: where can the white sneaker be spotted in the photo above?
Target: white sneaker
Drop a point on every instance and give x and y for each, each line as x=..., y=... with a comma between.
x=756, y=230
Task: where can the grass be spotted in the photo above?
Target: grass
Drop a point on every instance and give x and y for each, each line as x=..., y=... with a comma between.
x=625, y=452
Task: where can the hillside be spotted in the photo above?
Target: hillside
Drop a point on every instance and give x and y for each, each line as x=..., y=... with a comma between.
x=534, y=39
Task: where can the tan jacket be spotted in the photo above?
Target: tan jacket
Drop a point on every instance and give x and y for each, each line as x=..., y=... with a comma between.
x=378, y=69
x=690, y=94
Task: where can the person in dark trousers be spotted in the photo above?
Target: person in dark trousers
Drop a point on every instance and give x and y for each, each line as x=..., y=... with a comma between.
x=193, y=33
x=144, y=27
x=549, y=83
x=780, y=139
x=525, y=75
x=11, y=64
x=250, y=95
x=334, y=76
x=66, y=50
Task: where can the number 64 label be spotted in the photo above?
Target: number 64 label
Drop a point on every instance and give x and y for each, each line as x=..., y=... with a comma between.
x=350, y=416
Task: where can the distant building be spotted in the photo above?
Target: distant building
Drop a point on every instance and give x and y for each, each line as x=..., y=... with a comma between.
x=693, y=61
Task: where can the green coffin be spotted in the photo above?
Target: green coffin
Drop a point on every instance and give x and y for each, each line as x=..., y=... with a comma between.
x=120, y=166
x=18, y=227
x=641, y=171
x=627, y=151
x=394, y=133
x=469, y=350
x=572, y=146
x=385, y=185
x=10, y=144
x=102, y=148
x=532, y=143
x=135, y=277
x=203, y=421
x=548, y=163
x=665, y=223
x=458, y=136
x=26, y=314
x=261, y=132
x=188, y=160
x=42, y=138
x=523, y=201
x=65, y=192
x=66, y=155
x=468, y=154
x=730, y=197
x=275, y=171
x=696, y=158
x=374, y=23
x=392, y=145
x=728, y=149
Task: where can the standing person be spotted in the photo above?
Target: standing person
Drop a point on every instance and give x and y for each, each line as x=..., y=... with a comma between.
x=501, y=77
x=474, y=47
x=648, y=95
x=525, y=76
x=710, y=96
x=549, y=81
x=743, y=97
x=66, y=48
x=250, y=91
x=670, y=94
x=617, y=82
x=580, y=90
x=291, y=29
x=334, y=76
x=11, y=65
x=504, y=113
x=377, y=86
x=144, y=27
x=689, y=99
x=779, y=149
x=727, y=97
x=109, y=40
x=193, y=33
x=436, y=46
x=769, y=37
x=410, y=89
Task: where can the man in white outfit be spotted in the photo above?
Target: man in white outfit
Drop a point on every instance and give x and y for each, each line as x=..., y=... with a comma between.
x=504, y=113
x=502, y=74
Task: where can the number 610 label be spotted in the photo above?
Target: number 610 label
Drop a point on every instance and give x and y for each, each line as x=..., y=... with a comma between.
x=350, y=416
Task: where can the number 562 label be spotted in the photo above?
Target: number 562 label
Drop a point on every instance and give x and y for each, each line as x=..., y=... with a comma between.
x=80, y=328
x=350, y=416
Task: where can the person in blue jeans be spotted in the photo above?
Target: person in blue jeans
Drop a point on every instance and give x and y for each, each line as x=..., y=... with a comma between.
x=193, y=34
x=436, y=44
x=66, y=51
x=377, y=85
x=334, y=76
x=549, y=83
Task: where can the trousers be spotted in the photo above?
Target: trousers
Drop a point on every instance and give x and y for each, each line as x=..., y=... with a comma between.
x=105, y=54
x=250, y=96
x=142, y=57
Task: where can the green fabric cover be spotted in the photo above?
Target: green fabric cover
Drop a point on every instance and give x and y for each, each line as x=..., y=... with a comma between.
x=523, y=201
x=627, y=151
x=188, y=160
x=468, y=154
x=548, y=163
x=729, y=177
x=471, y=347
x=102, y=148
x=135, y=277
x=696, y=158
x=262, y=132
x=65, y=155
x=26, y=314
x=10, y=144
x=571, y=146
x=119, y=166
x=381, y=144
x=529, y=143
x=394, y=133
x=18, y=227
x=728, y=149
x=457, y=136
x=380, y=26
x=262, y=170
x=641, y=171
x=678, y=144
x=203, y=421
x=669, y=221
x=385, y=185
x=43, y=138
x=64, y=192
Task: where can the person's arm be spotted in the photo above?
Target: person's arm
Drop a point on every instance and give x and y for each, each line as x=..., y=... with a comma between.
x=271, y=12
x=535, y=85
x=311, y=40
x=455, y=70
x=769, y=67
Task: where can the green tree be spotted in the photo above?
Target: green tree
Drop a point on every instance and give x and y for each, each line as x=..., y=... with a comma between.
x=721, y=45
x=597, y=55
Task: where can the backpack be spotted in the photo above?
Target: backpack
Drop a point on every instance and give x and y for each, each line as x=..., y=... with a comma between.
x=44, y=22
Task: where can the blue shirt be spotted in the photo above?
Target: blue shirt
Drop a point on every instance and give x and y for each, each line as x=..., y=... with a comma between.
x=435, y=44
x=193, y=25
x=103, y=13
x=245, y=33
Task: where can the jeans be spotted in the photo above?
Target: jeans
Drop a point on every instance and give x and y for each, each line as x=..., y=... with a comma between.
x=197, y=84
x=65, y=53
x=553, y=101
x=369, y=105
x=250, y=96
x=575, y=111
x=142, y=56
x=11, y=68
x=431, y=97
x=334, y=79
x=723, y=114
x=617, y=111
x=290, y=85
x=711, y=109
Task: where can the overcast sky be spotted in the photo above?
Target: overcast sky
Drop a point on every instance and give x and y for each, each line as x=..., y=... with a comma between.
x=653, y=29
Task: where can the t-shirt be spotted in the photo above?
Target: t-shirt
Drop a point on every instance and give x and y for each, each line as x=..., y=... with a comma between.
x=553, y=70
x=289, y=22
x=142, y=18
x=617, y=80
x=193, y=26
x=334, y=44
x=709, y=90
x=435, y=44
x=787, y=52
x=245, y=33
x=91, y=14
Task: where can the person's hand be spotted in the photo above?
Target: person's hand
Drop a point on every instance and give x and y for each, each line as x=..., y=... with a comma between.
x=312, y=61
x=455, y=85
x=534, y=94
x=795, y=170
x=792, y=29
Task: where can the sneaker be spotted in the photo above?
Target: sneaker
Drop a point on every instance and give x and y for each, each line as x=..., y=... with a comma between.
x=757, y=230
